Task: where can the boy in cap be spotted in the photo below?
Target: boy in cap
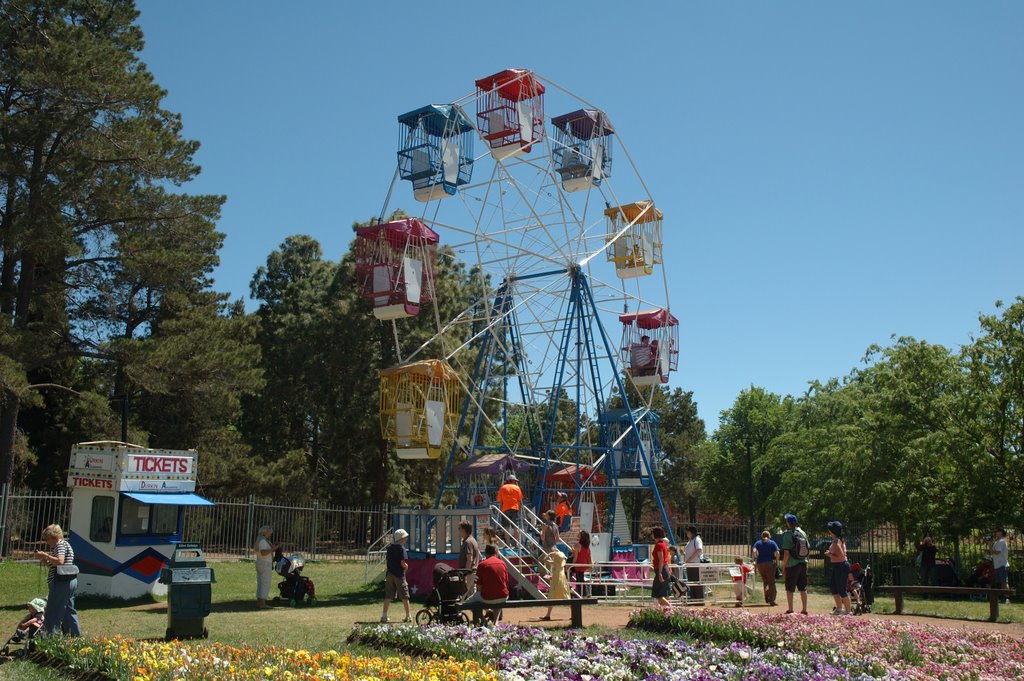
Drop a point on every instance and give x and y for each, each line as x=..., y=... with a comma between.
x=794, y=568
x=395, y=585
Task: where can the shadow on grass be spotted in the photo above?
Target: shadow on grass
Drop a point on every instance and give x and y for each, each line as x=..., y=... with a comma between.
x=97, y=603
x=365, y=594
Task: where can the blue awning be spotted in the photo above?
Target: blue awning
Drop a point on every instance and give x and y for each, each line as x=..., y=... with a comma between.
x=175, y=498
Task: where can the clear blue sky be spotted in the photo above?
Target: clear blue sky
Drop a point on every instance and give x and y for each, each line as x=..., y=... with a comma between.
x=831, y=173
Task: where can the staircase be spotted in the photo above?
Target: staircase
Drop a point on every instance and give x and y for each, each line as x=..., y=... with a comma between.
x=523, y=555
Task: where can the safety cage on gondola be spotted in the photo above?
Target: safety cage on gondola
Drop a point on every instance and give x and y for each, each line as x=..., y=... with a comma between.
x=395, y=266
x=435, y=150
x=510, y=112
x=582, y=148
x=626, y=462
x=635, y=229
x=419, y=406
x=650, y=345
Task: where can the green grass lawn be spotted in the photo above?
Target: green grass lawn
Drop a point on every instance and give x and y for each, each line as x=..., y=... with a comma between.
x=342, y=600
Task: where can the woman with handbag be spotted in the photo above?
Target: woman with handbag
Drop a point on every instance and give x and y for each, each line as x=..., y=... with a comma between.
x=62, y=581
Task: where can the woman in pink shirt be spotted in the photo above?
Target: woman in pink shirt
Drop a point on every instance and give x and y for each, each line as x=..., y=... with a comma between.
x=840, y=569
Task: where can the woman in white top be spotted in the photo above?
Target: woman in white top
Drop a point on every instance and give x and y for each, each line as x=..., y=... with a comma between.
x=264, y=564
x=694, y=550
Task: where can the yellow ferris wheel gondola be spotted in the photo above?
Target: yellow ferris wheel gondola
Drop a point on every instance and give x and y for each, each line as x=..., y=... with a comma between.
x=635, y=229
x=419, y=406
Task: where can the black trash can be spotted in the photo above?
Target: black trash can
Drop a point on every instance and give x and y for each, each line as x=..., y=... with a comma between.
x=189, y=592
x=902, y=575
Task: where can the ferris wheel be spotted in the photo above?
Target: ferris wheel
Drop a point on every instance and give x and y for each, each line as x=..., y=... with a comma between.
x=565, y=245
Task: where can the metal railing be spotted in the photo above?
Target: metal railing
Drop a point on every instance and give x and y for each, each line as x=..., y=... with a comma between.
x=631, y=582
x=226, y=530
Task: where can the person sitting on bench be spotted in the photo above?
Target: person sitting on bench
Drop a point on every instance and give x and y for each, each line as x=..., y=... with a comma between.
x=491, y=584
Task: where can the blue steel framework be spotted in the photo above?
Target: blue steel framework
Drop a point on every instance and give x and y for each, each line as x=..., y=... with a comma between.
x=581, y=332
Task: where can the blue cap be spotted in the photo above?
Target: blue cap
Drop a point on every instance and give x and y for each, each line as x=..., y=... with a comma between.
x=790, y=518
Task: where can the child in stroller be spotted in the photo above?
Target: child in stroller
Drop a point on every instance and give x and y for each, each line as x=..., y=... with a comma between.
x=982, y=577
x=983, y=574
x=449, y=588
x=27, y=627
x=859, y=585
x=296, y=588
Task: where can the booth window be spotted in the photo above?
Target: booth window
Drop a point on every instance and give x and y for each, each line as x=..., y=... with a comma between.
x=102, y=519
x=138, y=518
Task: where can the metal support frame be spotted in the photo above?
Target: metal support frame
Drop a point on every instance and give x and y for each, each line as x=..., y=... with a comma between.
x=582, y=337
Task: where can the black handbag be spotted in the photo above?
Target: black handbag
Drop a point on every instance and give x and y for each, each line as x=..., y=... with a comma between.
x=66, y=572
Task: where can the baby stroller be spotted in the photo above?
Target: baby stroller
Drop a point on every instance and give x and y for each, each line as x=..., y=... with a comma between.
x=861, y=593
x=296, y=588
x=25, y=632
x=982, y=577
x=443, y=604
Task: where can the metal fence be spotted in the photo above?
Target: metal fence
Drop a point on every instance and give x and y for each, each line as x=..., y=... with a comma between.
x=890, y=556
x=226, y=530
x=327, y=532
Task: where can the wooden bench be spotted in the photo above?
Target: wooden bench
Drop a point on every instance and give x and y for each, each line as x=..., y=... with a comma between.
x=993, y=595
x=575, y=607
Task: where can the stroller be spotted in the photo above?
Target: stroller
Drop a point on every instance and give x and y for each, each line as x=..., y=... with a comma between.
x=983, y=575
x=861, y=593
x=296, y=588
x=449, y=588
x=25, y=631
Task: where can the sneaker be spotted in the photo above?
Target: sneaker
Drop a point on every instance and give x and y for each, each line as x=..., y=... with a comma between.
x=407, y=620
x=838, y=611
x=384, y=619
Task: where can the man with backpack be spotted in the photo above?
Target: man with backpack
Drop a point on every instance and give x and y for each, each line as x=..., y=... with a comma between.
x=794, y=563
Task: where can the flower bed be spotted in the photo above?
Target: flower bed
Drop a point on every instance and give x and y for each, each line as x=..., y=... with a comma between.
x=522, y=653
x=127, y=660
x=917, y=652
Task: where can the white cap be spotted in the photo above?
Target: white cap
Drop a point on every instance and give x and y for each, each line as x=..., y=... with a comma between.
x=400, y=535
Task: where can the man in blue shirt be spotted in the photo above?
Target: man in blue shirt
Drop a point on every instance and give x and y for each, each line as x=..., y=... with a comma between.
x=766, y=555
x=395, y=586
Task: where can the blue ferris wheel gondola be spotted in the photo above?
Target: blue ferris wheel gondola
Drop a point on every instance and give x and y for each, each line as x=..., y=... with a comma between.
x=435, y=151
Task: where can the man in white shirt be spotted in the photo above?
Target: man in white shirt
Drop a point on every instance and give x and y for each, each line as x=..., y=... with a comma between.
x=1000, y=560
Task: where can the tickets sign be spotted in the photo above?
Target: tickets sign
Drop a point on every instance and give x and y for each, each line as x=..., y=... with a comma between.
x=94, y=483
x=154, y=465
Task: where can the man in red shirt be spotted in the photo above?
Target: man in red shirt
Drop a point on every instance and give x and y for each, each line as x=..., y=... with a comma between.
x=491, y=583
x=510, y=496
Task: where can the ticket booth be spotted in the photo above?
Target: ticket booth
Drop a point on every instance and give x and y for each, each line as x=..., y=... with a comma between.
x=127, y=509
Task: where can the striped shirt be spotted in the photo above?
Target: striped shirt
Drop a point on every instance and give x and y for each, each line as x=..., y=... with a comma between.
x=61, y=548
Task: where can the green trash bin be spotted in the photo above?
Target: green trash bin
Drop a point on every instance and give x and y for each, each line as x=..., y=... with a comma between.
x=189, y=590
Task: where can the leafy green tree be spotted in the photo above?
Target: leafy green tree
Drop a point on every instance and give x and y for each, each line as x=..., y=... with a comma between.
x=992, y=418
x=99, y=255
x=747, y=432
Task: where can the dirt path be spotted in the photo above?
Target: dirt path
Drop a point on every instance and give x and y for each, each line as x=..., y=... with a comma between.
x=616, y=617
